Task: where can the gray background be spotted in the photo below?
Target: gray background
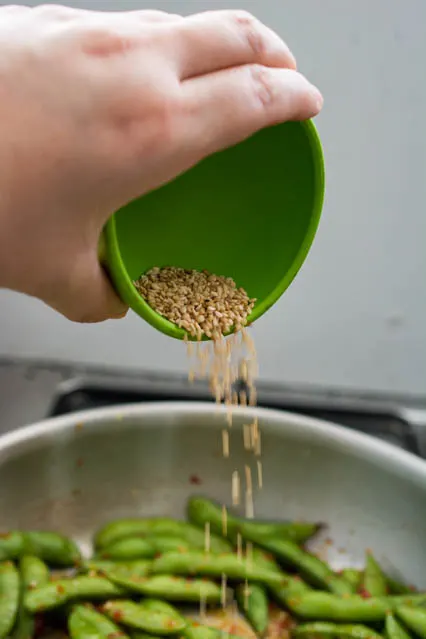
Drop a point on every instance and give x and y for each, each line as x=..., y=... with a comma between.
x=356, y=315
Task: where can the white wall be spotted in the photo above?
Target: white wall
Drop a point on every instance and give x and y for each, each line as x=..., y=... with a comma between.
x=356, y=315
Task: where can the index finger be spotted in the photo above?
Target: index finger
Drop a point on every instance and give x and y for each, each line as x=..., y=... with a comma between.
x=215, y=40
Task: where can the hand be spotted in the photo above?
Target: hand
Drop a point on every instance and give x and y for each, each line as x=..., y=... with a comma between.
x=99, y=108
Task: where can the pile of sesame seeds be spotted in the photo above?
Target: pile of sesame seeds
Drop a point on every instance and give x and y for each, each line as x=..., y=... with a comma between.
x=197, y=301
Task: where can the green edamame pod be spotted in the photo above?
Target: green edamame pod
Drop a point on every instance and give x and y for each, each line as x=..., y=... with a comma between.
x=142, y=617
x=198, y=631
x=123, y=528
x=310, y=567
x=158, y=605
x=11, y=545
x=34, y=573
x=324, y=629
x=136, y=568
x=262, y=558
x=135, y=527
x=52, y=547
x=351, y=608
x=127, y=549
x=85, y=623
x=414, y=619
x=374, y=581
x=199, y=563
x=202, y=511
x=163, y=543
x=294, y=586
x=394, y=630
x=57, y=593
x=171, y=588
x=353, y=577
x=253, y=602
x=9, y=597
x=99, y=565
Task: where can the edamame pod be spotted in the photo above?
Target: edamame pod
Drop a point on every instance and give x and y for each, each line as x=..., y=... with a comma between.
x=123, y=528
x=127, y=549
x=167, y=587
x=198, y=631
x=374, y=581
x=294, y=586
x=394, y=630
x=52, y=548
x=85, y=623
x=144, y=617
x=57, y=593
x=137, y=568
x=353, y=577
x=163, y=543
x=9, y=597
x=34, y=573
x=253, y=602
x=351, y=608
x=311, y=568
x=134, y=527
x=199, y=563
x=11, y=545
x=202, y=511
x=324, y=629
x=414, y=619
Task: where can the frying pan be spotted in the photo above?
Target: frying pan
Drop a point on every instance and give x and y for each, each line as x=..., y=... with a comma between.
x=76, y=472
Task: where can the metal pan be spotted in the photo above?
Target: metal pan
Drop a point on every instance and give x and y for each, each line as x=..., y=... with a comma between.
x=75, y=472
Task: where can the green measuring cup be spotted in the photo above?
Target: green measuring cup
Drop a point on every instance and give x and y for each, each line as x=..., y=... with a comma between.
x=250, y=212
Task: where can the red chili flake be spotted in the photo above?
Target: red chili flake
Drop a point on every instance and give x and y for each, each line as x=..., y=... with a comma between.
x=328, y=541
x=364, y=593
x=79, y=462
x=60, y=589
x=170, y=623
x=195, y=480
x=117, y=615
x=196, y=624
x=157, y=555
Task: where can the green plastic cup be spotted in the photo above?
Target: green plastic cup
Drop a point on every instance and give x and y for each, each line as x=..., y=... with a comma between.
x=250, y=212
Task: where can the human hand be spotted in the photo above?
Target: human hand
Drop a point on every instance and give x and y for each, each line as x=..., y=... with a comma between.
x=99, y=108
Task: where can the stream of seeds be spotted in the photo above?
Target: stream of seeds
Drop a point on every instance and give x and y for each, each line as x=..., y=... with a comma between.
x=208, y=305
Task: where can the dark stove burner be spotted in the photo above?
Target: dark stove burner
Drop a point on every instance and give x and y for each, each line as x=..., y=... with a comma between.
x=383, y=424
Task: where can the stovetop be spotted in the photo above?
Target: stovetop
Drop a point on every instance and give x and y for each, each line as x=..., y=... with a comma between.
x=30, y=391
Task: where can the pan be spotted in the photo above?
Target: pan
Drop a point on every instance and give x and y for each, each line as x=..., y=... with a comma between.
x=75, y=472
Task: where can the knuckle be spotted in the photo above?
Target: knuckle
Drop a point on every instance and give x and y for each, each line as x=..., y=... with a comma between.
x=251, y=30
x=262, y=85
x=169, y=112
x=53, y=10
